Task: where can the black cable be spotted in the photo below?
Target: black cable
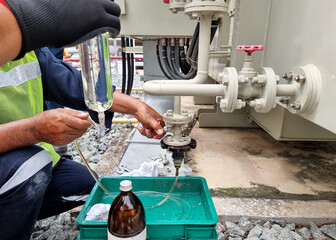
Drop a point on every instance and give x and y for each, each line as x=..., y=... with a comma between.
x=192, y=54
x=165, y=61
x=159, y=60
x=193, y=45
x=173, y=59
x=123, y=63
x=188, y=70
x=214, y=27
x=129, y=71
x=185, y=67
x=176, y=67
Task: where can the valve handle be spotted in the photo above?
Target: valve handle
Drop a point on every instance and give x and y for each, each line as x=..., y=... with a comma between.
x=250, y=48
x=166, y=1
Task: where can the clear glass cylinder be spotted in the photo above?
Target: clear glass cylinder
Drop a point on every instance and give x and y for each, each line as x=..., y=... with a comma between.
x=94, y=57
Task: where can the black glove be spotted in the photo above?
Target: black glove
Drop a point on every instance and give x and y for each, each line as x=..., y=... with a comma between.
x=62, y=23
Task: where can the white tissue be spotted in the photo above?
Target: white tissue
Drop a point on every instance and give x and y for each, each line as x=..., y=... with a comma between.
x=148, y=169
x=98, y=211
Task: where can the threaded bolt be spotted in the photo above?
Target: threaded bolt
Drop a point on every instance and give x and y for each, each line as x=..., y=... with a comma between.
x=300, y=78
x=288, y=76
x=296, y=105
x=170, y=113
x=284, y=100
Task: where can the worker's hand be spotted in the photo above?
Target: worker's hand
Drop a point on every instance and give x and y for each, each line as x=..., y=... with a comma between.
x=62, y=23
x=152, y=122
x=61, y=126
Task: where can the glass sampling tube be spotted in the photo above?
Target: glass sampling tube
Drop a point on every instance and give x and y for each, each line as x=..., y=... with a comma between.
x=94, y=57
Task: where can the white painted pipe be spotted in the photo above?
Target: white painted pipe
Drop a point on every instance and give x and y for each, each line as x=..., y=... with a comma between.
x=159, y=89
x=177, y=104
x=195, y=86
x=203, y=48
x=286, y=90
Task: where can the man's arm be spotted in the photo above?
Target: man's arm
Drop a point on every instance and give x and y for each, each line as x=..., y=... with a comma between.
x=54, y=23
x=59, y=127
x=62, y=84
x=10, y=35
x=151, y=121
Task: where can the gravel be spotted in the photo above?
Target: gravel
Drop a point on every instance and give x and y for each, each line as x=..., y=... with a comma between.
x=273, y=230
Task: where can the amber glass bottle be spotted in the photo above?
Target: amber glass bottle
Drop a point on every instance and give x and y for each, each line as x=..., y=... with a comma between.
x=126, y=218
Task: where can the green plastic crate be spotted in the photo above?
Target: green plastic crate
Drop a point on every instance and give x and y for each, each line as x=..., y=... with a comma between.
x=190, y=215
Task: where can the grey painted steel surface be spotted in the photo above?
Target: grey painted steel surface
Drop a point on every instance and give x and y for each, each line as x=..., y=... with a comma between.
x=152, y=18
x=294, y=33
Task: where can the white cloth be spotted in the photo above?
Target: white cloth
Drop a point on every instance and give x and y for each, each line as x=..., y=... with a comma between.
x=98, y=211
x=148, y=169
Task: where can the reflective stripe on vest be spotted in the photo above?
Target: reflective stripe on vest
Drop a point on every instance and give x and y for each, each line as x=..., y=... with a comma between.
x=21, y=93
x=28, y=169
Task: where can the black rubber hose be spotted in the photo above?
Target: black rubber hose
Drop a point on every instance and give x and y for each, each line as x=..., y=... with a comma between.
x=193, y=44
x=123, y=63
x=129, y=71
x=214, y=26
x=192, y=54
x=160, y=62
x=131, y=67
x=176, y=67
x=173, y=59
x=185, y=67
x=167, y=65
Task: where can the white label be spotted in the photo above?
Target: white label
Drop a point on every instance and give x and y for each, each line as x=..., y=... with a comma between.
x=141, y=236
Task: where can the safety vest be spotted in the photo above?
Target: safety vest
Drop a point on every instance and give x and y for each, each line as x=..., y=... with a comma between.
x=21, y=93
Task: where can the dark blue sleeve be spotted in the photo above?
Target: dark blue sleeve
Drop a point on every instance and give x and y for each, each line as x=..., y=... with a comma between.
x=62, y=84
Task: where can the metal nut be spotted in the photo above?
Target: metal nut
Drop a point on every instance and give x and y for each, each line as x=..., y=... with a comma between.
x=225, y=80
x=284, y=100
x=223, y=104
x=287, y=76
x=220, y=77
x=300, y=78
x=240, y=104
x=169, y=113
x=296, y=105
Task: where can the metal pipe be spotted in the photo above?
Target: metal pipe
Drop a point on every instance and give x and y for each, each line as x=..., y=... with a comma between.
x=204, y=47
x=286, y=90
x=195, y=86
x=160, y=89
x=177, y=104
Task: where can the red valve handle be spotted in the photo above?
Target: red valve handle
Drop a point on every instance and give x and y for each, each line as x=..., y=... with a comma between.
x=166, y=1
x=250, y=48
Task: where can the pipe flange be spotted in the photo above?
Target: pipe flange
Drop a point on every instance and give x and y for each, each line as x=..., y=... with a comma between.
x=268, y=94
x=196, y=9
x=230, y=80
x=173, y=118
x=309, y=84
x=179, y=141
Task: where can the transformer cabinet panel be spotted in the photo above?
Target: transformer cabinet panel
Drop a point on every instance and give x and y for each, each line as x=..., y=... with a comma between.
x=152, y=18
x=296, y=33
x=282, y=125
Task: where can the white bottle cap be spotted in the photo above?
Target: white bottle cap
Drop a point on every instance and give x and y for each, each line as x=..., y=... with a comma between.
x=125, y=185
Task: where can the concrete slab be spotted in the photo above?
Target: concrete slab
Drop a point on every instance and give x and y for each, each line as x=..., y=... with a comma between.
x=241, y=158
x=293, y=211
